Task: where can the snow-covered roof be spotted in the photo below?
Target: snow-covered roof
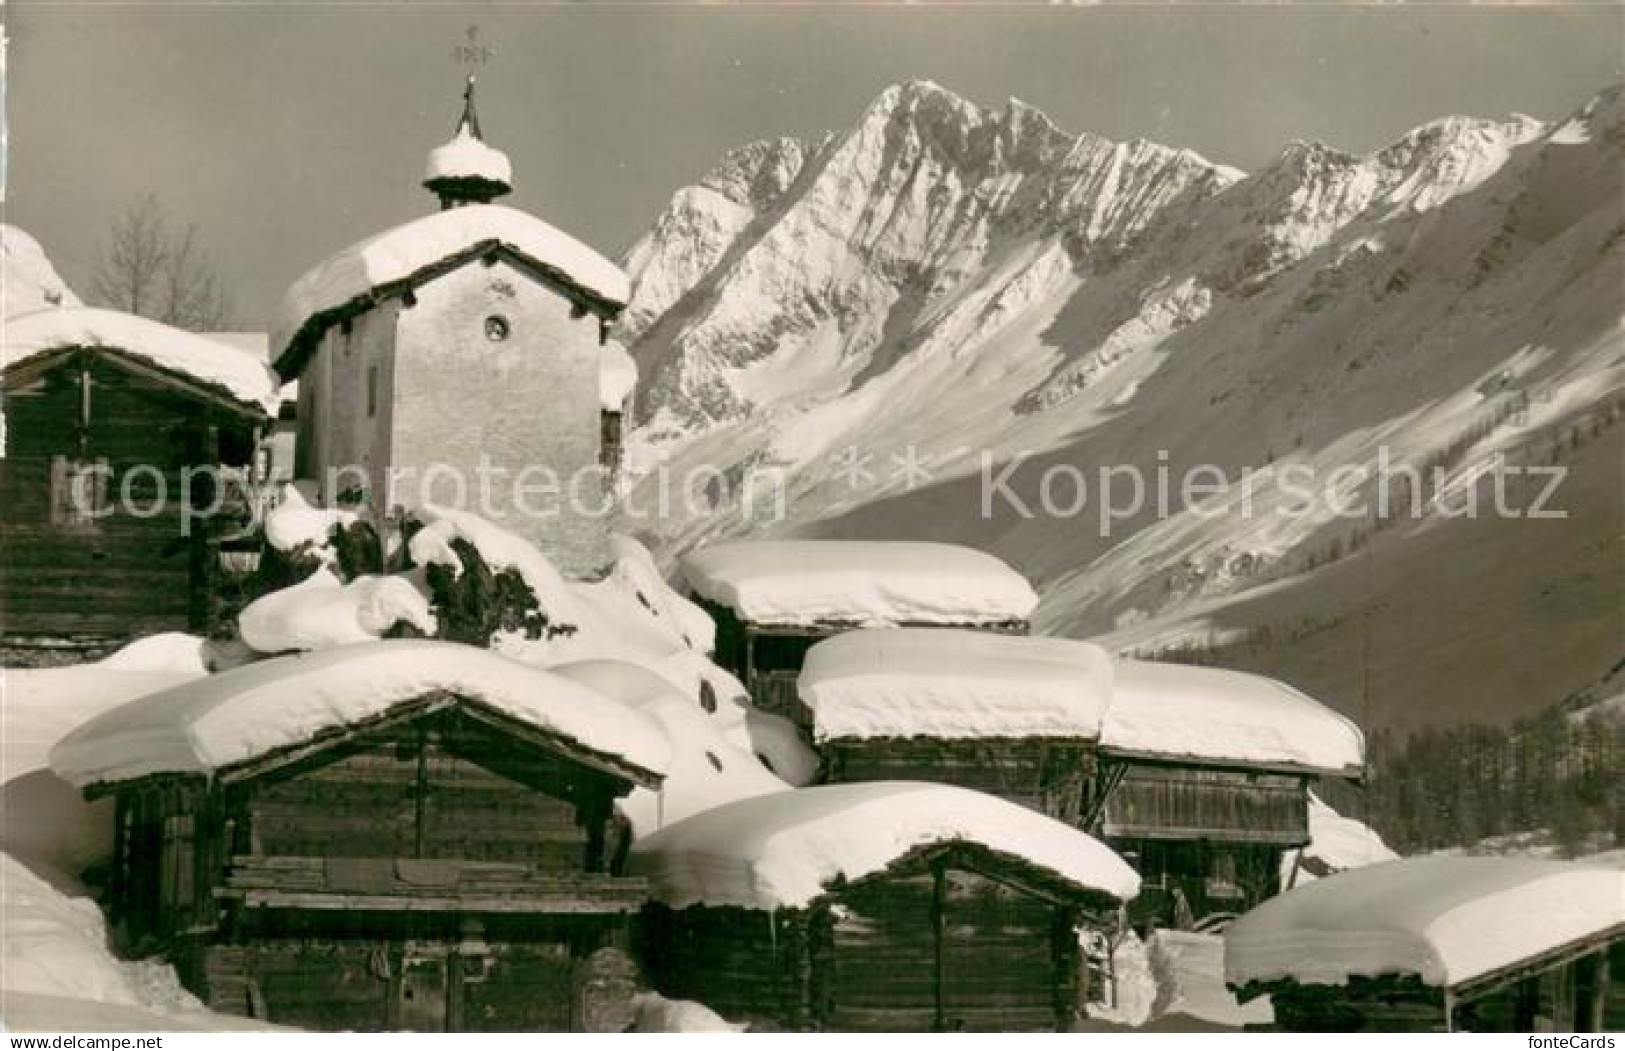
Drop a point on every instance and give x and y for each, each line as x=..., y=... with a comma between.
x=787, y=849
x=707, y=769
x=1448, y=920
x=242, y=714
x=259, y=345
x=466, y=156
x=211, y=363
x=868, y=583
x=1216, y=716
x=617, y=375
x=405, y=252
x=954, y=683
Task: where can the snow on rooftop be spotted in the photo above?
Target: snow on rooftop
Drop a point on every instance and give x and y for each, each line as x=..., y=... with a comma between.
x=466, y=156
x=787, y=849
x=617, y=375
x=870, y=583
x=238, y=715
x=707, y=769
x=405, y=250
x=1448, y=920
x=1213, y=715
x=212, y=363
x=954, y=683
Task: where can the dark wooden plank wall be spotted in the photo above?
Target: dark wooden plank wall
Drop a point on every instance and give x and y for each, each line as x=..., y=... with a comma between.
x=1186, y=802
x=867, y=960
x=1002, y=965
x=123, y=574
x=415, y=793
x=1044, y=774
x=748, y=966
x=371, y=984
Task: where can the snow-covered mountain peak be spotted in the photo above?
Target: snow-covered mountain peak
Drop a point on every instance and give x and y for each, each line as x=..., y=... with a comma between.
x=758, y=173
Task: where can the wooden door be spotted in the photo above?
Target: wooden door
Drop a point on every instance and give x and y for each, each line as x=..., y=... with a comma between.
x=420, y=1003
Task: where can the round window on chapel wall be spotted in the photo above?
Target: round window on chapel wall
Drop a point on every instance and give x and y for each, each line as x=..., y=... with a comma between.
x=496, y=328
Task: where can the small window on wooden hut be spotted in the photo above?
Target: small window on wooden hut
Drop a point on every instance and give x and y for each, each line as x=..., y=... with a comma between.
x=79, y=493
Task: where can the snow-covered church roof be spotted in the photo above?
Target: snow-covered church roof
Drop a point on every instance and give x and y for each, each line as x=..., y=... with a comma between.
x=237, y=716
x=787, y=849
x=868, y=583
x=211, y=363
x=410, y=252
x=1211, y=715
x=1448, y=920
x=954, y=683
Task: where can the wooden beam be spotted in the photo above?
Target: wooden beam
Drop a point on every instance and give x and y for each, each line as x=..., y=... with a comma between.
x=939, y=925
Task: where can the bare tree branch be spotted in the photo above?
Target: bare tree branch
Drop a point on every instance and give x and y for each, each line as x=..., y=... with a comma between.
x=158, y=270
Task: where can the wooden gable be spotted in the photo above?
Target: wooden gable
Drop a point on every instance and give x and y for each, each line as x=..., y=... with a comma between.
x=95, y=490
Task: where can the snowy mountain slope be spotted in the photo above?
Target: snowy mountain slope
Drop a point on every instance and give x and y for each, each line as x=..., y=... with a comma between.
x=946, y=282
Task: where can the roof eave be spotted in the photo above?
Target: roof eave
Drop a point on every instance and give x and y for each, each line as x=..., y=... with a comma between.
x=291, y=362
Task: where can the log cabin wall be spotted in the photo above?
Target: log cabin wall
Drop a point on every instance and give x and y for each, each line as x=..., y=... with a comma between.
x=132, y=570
x=1053, y=776
x=1205, y=840
x=436, y=788
x=430, y=873
x=946, y=948
x=747, y=965
x=1168, y=801
x=1567, y=993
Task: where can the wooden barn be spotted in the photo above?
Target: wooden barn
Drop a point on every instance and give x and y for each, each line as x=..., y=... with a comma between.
x=1440, y=943
x=404, y=835
x=114, y=429
x=1203, y=781
x=887, y=906
x=1011, y=715
x=774, y=599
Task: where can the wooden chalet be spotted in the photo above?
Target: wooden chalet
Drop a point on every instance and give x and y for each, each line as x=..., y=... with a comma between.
x=112, y=426
x=1014, y=716
x=1439, y=943
x=1202, y=783
x=400, y=835
x=878, y=907
x=772, y=600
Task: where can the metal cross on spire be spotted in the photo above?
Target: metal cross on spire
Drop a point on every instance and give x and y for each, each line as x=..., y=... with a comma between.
x=470, y=119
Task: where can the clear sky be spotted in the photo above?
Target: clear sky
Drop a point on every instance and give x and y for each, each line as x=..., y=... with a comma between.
x=288, y=130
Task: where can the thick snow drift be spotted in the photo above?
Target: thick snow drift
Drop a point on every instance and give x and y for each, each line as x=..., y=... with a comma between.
x=942, y=682
x=403, y=251
x=466, y=156
x=617, y=375
x=240, y=714
x=1448, y=920
x=1336, y=844
x=297, y=520
x=30, y=281
x=1212, y=715
x=321, y=611
x=707, y=769
x=868, y=583
x=787, y=849
x=218, y=366
x=42, y=817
